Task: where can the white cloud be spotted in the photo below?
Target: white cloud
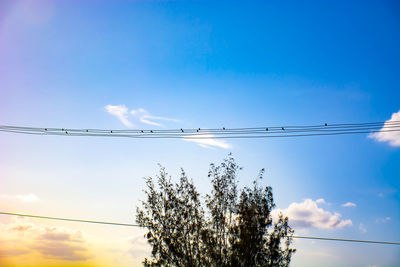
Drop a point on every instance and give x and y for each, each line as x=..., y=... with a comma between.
x=208, y=141
x=28, y=198
x=321, y=201
x=25, y=198
x=383, y=220
x=362, y=228
x=145, y=117
x=349, y=204
x=308, y=215
x=138, y=111
x=392, y=137
x=121, y=112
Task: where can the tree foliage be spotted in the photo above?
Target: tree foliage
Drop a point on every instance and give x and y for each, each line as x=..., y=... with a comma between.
x=229, y=230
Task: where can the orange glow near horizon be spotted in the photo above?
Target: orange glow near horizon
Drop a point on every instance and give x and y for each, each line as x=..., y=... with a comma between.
x=27, y=243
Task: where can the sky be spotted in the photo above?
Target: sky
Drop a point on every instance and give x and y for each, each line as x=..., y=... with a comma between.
x=189, y=64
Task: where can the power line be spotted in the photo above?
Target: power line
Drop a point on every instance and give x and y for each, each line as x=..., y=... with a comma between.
x=212, y=133
x=139, y=226
x=67, y=219
x=346, y=240
x=347, y=125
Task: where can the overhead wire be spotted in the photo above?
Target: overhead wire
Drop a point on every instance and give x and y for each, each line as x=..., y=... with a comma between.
x=212, y=133
x=223, y=129
x=208, y=129
x=140, y=226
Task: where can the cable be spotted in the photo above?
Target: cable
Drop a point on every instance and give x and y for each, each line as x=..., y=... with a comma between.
x=212, y=133
x=346, y=240
x=326, y=126
x=345, y=125
x=68, y=220
x=208, y=136
x=137, y=225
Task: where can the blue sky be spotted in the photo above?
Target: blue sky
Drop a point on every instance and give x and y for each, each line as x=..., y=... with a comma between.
x=206, y=64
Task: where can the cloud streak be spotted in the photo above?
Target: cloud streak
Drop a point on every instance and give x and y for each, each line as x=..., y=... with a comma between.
x=349, y=205
x=210, y=142
x=145, y=117
x=393, y=138
x=307, y=214
x=122, y=113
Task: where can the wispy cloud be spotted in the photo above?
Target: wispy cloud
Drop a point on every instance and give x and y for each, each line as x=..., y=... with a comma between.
x=393, y=138
x=383, y=220
x=12, y=252
x=349, y=205
x=321, y=201
x=55, y=243
x=208, y=141
x=362, y=228
x=307, y=214
x=145, y=117
x=121, y=112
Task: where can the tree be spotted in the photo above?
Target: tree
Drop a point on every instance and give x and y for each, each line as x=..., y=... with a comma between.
x=230, y=230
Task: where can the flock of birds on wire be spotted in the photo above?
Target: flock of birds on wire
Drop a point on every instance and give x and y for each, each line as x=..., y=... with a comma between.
x=212, y=133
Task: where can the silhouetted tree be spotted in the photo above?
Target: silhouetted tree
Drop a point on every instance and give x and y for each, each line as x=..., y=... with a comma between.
x=175, y=220
x=252, y=245
x=233, y=231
